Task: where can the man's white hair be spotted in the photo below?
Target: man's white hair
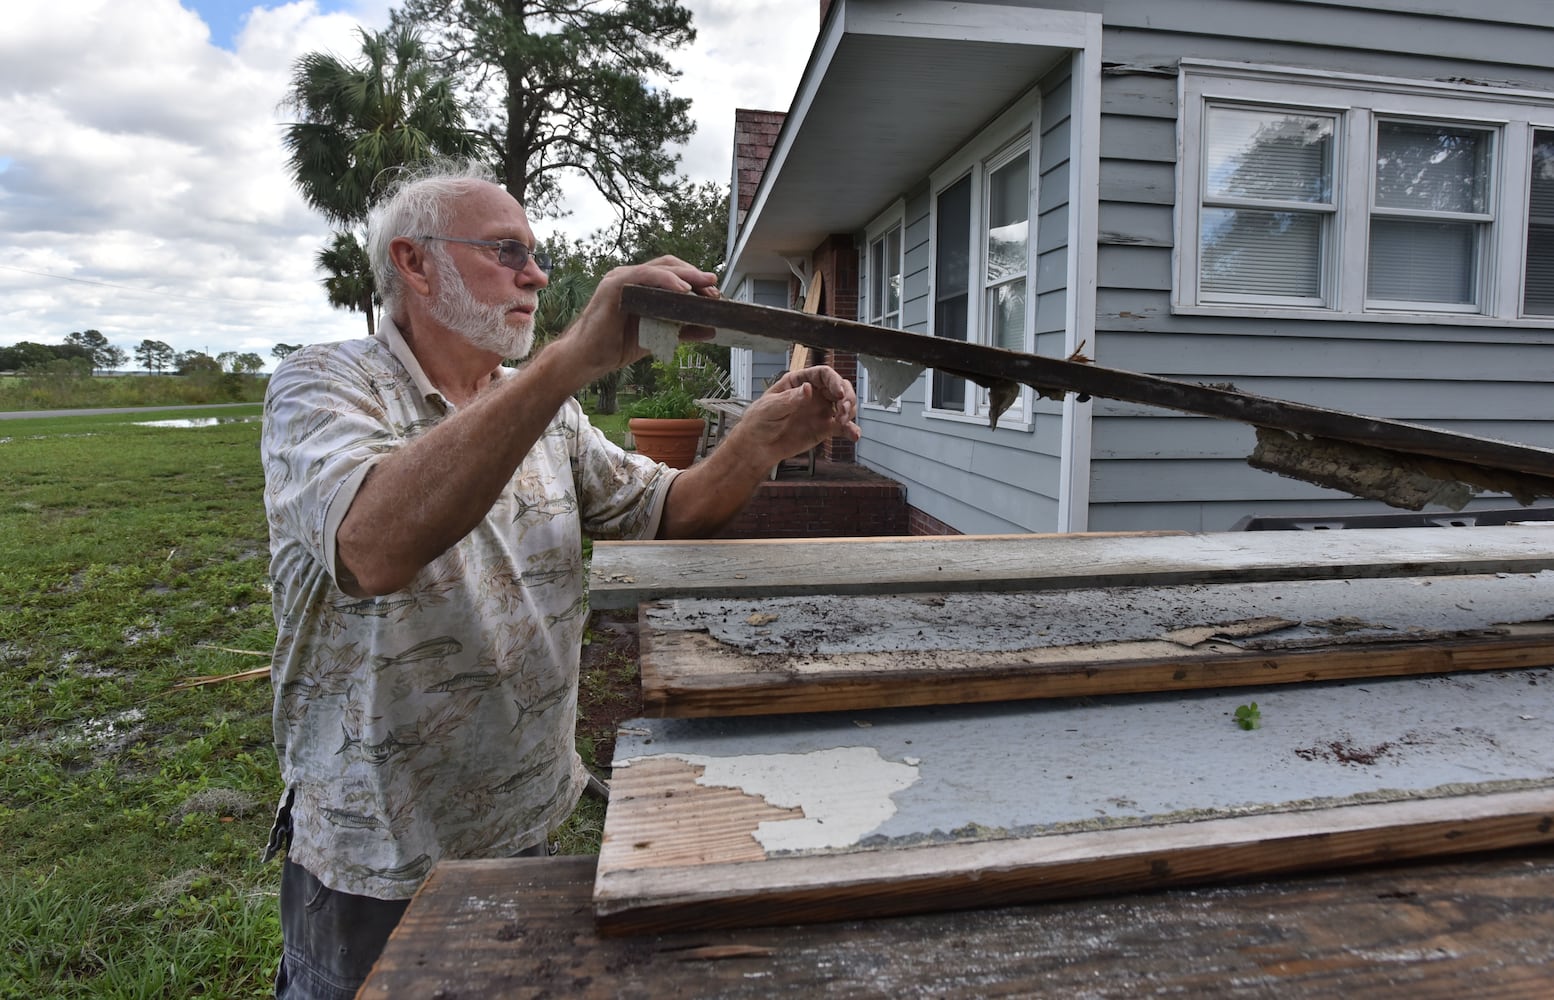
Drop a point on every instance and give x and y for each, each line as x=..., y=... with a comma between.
x=418, y=203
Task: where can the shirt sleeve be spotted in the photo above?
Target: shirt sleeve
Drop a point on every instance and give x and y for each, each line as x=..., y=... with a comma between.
x=620, y=493
x=324, y=428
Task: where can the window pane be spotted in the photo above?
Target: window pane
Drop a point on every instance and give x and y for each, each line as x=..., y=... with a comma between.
x=1538, y=299
x=1424, y=261
x=876, y=279
x=1008, y=220
x=1268, y=154
x=1244, y=252
x=1432, y=168
x=952, y=266
x=893, y=271
x=1006, y=307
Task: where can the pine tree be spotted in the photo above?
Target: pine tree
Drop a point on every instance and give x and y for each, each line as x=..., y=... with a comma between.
x=569, y=86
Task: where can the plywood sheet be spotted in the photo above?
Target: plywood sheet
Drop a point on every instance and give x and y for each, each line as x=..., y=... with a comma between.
x=710, y=657
x=915, y=810
x=626, y=573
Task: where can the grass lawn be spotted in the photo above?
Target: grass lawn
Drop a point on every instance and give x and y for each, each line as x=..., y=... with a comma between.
x=133, y=811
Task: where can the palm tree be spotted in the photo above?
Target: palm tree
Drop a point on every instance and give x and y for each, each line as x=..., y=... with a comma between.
x=349, y=280
x=361, y=120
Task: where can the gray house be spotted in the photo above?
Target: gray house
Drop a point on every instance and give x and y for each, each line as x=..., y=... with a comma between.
x=1347, y=203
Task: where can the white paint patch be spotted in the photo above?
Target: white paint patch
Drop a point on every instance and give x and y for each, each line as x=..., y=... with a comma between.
x=889, y=377
x=658, y=338
x=844, y=792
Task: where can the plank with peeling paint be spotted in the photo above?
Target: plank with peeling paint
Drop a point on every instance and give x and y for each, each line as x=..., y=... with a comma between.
x=760, y=656
x=829, y=816
x=624, y=574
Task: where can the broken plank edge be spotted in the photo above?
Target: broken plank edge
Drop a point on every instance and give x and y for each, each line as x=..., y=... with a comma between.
x=973, y=875
x=1085, y=378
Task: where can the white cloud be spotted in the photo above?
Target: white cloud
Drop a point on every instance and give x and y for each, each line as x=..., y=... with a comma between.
x=143, y=190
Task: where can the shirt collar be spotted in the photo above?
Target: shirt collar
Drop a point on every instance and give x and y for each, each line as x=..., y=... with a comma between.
x=388, y=334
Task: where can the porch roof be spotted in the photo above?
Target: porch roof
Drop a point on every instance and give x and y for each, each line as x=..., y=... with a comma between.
x=890, y=91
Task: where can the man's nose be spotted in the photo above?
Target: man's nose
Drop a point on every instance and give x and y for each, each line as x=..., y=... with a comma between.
x=531, y=275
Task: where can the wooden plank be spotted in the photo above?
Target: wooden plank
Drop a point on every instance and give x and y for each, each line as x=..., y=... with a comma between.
x=624, y=574
x=1418, y=932
x=922, y=809
x=1405, y=465
x=722, y=657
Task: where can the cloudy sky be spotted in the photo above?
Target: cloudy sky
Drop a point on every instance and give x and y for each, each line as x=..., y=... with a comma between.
x=142, y=186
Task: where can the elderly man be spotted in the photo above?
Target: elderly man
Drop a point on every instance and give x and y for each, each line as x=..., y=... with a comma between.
x=426, y=511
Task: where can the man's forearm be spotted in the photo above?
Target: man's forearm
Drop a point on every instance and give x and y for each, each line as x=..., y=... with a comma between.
x=709, y=494
x=423, y=498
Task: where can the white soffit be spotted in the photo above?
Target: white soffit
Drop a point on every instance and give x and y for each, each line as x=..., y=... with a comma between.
x=891, y=90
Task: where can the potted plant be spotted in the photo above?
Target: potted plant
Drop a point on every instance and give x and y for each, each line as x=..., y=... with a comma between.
x=666, y=424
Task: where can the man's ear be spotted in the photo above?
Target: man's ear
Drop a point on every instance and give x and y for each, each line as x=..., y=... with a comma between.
x=412, y=264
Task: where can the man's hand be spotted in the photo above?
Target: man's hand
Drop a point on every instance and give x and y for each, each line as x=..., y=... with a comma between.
x=604, y=338
x=800, y=410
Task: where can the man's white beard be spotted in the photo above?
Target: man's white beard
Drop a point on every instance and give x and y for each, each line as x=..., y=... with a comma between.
x=485, y=327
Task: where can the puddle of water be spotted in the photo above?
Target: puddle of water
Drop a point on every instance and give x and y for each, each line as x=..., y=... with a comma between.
x=195, y=421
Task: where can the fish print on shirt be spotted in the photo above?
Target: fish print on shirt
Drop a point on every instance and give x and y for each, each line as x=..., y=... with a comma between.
x=549, y=507
x=410, y=871
x=380, y=753
x=576, y=609
x=534, y=706
x=439, y=648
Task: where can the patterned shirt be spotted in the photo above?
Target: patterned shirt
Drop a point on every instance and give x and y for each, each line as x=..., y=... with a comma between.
x=436, y=721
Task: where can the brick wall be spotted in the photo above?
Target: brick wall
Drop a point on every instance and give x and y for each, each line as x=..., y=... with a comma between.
x=836, y=261
x=919, y=523
x=755, y=133
x=807, y=509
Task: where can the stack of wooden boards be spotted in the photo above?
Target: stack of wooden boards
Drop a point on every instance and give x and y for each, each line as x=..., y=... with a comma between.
x=862, y=727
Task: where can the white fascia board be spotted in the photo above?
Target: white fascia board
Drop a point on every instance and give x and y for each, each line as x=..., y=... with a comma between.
x=1084, y=196
x=803, y=99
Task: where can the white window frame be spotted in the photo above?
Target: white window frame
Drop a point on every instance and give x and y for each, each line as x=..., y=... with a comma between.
x=1016, y=130
x=1359, y=103
x=893, y=219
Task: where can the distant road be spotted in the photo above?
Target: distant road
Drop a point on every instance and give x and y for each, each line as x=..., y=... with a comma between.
x=32, y=414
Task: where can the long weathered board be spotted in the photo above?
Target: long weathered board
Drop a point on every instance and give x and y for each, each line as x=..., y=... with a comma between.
x=762, y=656
x=624, y=574
x=782, y=819
x=1481, y=928
x=1406, y=465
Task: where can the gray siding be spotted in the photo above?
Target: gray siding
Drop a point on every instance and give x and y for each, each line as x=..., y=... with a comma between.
x=768, y=366
x=1152, y=469
x=979, y=480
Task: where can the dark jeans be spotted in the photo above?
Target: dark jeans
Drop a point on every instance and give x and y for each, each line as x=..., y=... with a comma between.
x=330, y=939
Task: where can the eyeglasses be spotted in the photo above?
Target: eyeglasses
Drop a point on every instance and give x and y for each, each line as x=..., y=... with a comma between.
x=509, y=253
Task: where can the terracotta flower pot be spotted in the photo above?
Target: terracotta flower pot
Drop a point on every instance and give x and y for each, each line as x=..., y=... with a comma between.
x=672, y=441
